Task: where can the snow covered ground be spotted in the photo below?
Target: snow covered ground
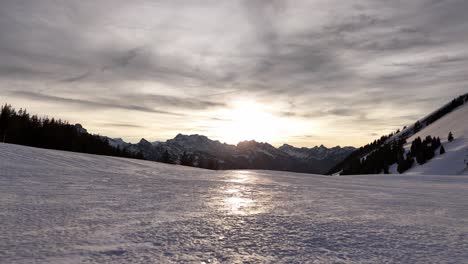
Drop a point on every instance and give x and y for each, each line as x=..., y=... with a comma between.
x=61, y=207
x=455, y=160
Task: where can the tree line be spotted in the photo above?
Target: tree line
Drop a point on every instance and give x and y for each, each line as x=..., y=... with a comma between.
x=351, y=160
x=190, y=159
x=19, y=127
x=380, y=159
x=354, y=159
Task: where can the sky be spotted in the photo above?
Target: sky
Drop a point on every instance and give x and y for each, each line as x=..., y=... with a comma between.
x=305, y=73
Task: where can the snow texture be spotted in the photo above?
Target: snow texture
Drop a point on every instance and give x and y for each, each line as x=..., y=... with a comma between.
x=62, y=207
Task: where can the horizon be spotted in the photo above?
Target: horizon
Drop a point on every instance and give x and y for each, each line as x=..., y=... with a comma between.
x=303, y=73
x=233, y=144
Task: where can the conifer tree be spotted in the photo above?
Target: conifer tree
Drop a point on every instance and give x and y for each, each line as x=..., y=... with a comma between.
x=186, y=159
x=442, y=150
x=450, y=136
x=417, y=126
x=166, y=157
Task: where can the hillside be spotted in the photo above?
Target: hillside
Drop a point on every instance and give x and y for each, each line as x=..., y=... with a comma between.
x=421, y=148
x=19, y=127
x=65, y=207
x=455, y=160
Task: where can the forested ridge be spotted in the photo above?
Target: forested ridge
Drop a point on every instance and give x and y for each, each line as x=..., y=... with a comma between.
x=376, y=157
x=19, y=127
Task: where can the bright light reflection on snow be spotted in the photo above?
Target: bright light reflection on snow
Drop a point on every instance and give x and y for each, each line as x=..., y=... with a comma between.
x=241, y=177
x=238, y=198
x=237, y=205
x=232, y=190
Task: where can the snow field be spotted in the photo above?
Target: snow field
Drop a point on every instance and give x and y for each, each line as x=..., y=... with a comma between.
x=62, y=207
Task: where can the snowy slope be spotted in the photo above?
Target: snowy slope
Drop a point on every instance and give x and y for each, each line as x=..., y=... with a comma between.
x=63, y=207
x=454, y=161
x=452, y=116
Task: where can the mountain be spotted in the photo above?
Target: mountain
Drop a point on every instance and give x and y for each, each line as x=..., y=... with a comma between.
x=117, y=142
x=200, y=151
x=190, y=150
x=417, y=149
x=318, y=153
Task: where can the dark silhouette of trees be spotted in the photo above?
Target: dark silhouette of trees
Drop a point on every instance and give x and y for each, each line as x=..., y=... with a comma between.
x=442, y=150
x=424, y=150
x=450, y=136
x=350, y=162
x=446, y=109
x=389, y=153
x=378, y=161
x=23, y=129
x=186, y=159
x=166, y=158
x=5, y=116
x=417, y=126
x=210, y=163
x=375, y=157
x=404, y=164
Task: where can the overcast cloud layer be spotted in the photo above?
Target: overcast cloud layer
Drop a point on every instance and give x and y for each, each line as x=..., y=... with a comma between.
x=132, y=69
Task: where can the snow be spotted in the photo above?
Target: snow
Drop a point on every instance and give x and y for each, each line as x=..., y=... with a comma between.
x=455, y=160
x=318, y=152
x=62, y=207
x=300, y=153
x=117, y=142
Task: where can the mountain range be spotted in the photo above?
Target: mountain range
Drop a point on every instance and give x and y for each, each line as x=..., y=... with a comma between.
x=200, y=151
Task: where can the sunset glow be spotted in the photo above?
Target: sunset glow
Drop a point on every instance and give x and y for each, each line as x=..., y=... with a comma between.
x=249, y=120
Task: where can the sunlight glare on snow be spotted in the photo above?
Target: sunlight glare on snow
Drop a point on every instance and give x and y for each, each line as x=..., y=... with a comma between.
x=235, y=200
x=237, y=205
x=241, y=177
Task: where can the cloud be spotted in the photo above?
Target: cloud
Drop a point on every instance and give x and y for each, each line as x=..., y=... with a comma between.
x=174, y=101
x=77, y=78
x=87, y=104
x=310, y=60
x=121, y=125
x=19, y=71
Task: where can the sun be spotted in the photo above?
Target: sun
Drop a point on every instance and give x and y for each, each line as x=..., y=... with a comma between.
x=248, y=120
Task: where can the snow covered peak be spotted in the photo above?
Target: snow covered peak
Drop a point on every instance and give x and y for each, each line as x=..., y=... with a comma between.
x=318, y=152
x=253, y=143
x=191, y=138
x=117, y=142
x=253, y=147
x=193, y=143
x=144, y=142
x=246, y=154
x=301, y=153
